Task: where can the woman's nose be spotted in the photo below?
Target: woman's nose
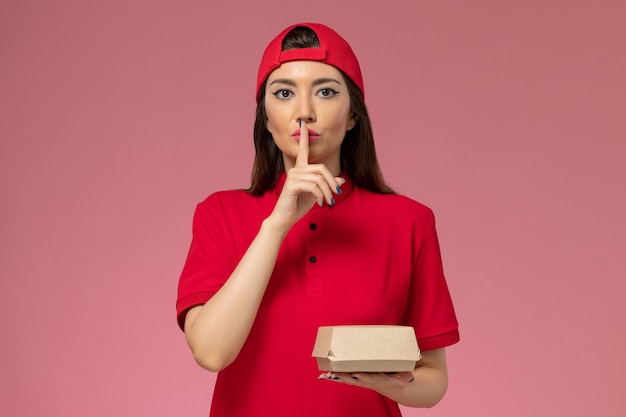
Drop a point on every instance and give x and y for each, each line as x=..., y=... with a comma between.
x=306, y=111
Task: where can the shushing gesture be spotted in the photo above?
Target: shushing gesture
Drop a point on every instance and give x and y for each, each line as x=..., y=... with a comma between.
x=306, y=185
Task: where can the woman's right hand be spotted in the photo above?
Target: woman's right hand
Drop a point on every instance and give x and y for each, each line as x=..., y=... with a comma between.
x=217, y=330
x=305, y=186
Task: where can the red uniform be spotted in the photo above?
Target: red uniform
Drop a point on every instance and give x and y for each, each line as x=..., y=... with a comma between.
x=370, y=259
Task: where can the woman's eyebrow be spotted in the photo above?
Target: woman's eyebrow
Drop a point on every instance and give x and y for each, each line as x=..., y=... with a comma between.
x=284, y=81
x=324, y=81
x=316, y=82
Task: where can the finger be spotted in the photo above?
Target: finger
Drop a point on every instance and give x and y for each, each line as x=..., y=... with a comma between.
x=313, y=181
x=338, y=182
x=402, y=377
x=378, y=379
x=306, y=183
x=302, y=159
x=327, y=184
x=334, y=183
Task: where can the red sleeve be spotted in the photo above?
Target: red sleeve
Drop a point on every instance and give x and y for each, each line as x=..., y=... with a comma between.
x=208, y=263
x=429, y=309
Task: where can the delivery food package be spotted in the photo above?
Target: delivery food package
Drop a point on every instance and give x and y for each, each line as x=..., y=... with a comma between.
x=366, y=348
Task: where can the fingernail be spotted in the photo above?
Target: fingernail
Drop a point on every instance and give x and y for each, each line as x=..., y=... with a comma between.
x=300, y=122
x=354, y=377
x=332, y=202
x=338, y=190
x=334, y=378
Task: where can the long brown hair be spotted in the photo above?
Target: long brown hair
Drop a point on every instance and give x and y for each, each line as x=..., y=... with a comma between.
x=358, y=153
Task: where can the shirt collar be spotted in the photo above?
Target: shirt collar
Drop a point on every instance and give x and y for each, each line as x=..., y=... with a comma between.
x=346, y=188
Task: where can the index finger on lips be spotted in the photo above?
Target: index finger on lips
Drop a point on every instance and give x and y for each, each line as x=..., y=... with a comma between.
x=302, y=159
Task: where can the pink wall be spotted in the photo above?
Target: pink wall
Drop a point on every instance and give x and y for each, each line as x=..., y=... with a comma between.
x=507, y=118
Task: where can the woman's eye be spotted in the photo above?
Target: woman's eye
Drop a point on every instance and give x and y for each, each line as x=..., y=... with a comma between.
x=283, y=94
x=327, y=92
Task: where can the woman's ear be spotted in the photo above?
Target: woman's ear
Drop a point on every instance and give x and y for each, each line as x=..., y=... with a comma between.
x=267, y=124
x=352, y=122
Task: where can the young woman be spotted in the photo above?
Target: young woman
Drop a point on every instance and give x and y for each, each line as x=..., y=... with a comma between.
x=318, y=239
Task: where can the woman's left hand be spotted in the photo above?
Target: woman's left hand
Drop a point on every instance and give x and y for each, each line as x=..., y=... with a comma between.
x=378, y=381
x=424, y=387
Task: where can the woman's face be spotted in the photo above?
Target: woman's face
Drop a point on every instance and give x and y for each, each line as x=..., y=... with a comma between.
x=316, y=93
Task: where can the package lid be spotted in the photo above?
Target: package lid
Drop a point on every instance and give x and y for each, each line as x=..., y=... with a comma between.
x=366, y=348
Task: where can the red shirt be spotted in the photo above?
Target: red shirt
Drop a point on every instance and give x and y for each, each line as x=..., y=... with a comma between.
x=370, y=259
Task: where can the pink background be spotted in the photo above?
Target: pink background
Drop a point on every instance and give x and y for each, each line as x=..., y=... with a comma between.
x=507, y=118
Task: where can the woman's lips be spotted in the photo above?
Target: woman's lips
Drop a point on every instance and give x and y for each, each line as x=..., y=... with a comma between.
x=312, y=135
